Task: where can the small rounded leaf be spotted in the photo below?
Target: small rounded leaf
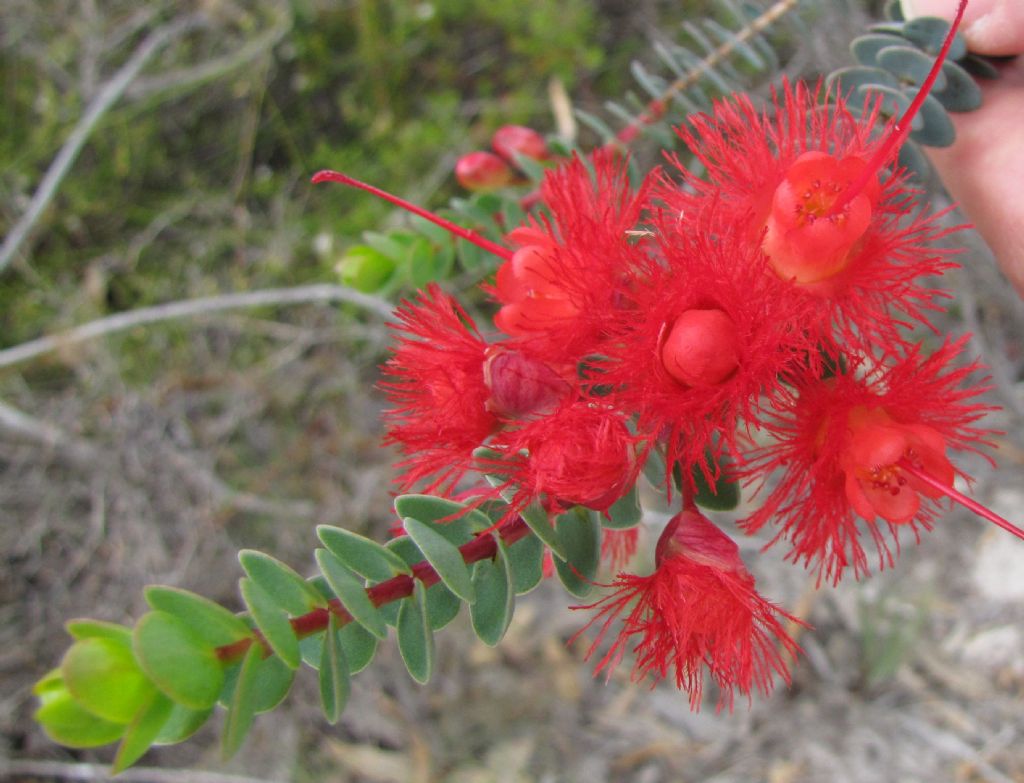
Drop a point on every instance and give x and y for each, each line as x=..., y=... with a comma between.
x=210, y=621
x=284, y=586
x=580, y=534
x=351, y=593
x=526, y=560
x=492, y=611
x=444, y=557
x=365, y=268
x=272, y=620
x=180, y=664
x=105, y=679
x=142, y=732
x=67, y=723
x=415, y=638
x=362, y=555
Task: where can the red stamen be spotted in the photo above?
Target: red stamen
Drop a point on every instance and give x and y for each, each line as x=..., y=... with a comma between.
x=447, y=225
x=962, y=499
x=901, y=128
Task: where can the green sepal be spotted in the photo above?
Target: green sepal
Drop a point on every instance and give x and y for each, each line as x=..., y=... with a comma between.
x=241, y=707
x=624, y=512
x=491, y=613
x=352, y=593
x=580, y=535
x=366, y=557
x=526, y=560
x=180, y=664
x=66, y=722
x=142, y=731
x=272, y=620
x=210, y=621
x=98, y=629
x=334, y=674
x=415, y=637
x=103, y=676
x=181, y=724
x=448, y=514
x=444, y=557
x=280, y=582
x=442, y=604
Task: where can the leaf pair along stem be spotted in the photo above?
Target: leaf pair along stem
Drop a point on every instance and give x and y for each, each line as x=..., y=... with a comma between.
x=483, y=547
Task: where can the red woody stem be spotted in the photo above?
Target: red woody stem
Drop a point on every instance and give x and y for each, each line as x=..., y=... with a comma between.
x=483, y=547
x=962, y=499
x=447, y=225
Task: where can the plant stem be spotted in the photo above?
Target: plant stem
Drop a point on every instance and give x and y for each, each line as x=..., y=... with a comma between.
x=483, y=547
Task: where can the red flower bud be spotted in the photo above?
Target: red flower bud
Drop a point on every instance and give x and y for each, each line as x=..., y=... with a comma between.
x=511, y=140
x=702, y=348
x=693, y=536
x=521, y=385
x=483, y=171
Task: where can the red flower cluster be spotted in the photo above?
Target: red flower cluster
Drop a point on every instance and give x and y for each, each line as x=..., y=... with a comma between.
x=771, y=298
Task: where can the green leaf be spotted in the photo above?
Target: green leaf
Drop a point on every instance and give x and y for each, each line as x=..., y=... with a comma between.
x=365, y=268
x=273, y=679
x=537, y=519
x=722, y=495
x=909, y=64
x=580, y=535
x=272, y=621
x=624, y=512
x=865, y=48
x=929, y=32
x=367, y=558
x=938, y=130
x=526, y=560
x=359, y=645
x=654, y=469
x=444, y=557
x=447, y=514
x=90, y=629
x=142, y=731
x=492, y=611
x=210, y=621
x=242, y=707
x=181, y=724
x=415, y=638
x=105, y=679
x=351, y=593
x=67, y=723
x=334, y=674
x=184, y=667
x=442, y=604
x=962, y=93
x=285, y=587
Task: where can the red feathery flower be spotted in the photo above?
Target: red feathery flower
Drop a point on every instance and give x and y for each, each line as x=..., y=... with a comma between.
x=710, y=333
x=800, y=181
x=619, y=546
x=581, y=453
x=854, y=448
x=435, y=381
x=698, y=609
x=563, y=281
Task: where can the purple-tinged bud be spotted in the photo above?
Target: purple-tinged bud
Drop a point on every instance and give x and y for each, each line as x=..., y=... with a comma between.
x=521, y=386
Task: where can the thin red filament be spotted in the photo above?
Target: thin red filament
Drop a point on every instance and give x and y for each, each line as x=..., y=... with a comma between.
x=901, y=128
x=962, y=499
x=447, y=225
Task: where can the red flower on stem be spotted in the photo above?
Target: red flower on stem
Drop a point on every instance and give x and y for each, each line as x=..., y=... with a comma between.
x=435, y=382
x=699, y=611
x=867, y=449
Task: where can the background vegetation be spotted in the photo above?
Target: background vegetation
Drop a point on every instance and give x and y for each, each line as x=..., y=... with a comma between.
x=152, y=455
